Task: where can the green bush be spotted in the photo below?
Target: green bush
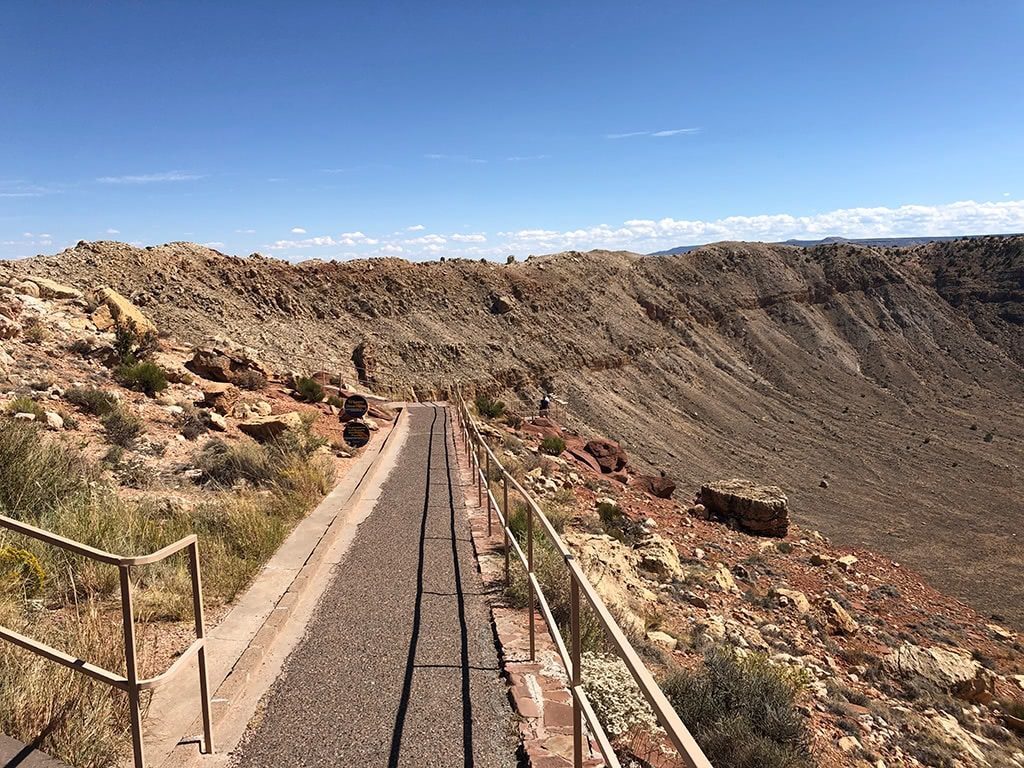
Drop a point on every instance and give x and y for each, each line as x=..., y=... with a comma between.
x=25, y=405
x=122, y=426
x=309, y=389
x=91, y=400
x=488, y=407
x=336, y=401
x=191, y=422
x=742, y=711
x=21, y=570
x=142, y=377
x=552, y=446
x=132, y=346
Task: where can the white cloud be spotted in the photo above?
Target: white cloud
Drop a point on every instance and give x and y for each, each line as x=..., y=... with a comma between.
x=965, y=217
x=415, y=228
x=245, y=231
x=112, y=231
x=323, y=241
x=455, y=158
x=476, y=237
x=151, y=178
x=427, y=240
x=214, y=244
x=298, y=231
x=658, y=134
x=524, y=158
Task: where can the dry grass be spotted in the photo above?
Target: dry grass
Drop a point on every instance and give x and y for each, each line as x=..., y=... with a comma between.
x=49, y=485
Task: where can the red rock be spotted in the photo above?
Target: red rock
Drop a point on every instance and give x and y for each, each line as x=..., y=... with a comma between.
x=660, y=487
x=609, y=454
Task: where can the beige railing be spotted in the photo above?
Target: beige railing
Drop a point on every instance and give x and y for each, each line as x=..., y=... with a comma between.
x=485, y=463
x=129, y=683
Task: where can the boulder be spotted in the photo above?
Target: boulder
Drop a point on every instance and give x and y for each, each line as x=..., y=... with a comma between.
x=217, y=422
x=54, y=421
x=502, y=305
x=608, y=454
x=223, y=364
x=9, y=329
x=25, y=416
x=102, y=318
x=663, y=639
x=723, y=578
x=758, y=509
x=659, y=487
x=839, y=622
x=792, y=597
x=544, y=427
x=48, y=289
x=27, y=288
x=659, y=556
x=220, y=397
x=124, y=312
x=267, y=428
x=574, y=447
x=951, y=669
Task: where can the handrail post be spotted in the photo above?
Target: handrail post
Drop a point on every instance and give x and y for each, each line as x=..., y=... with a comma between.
x=487, y=477
x=131, y=665
x=577, y=710
x=529, y=568
x=479, y=480
x=508, y=523
x=197, y=610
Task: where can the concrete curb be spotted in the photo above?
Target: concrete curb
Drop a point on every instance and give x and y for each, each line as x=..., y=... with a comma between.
x=247, y=649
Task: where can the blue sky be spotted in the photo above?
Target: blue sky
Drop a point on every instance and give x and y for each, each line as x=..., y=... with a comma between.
x=336, y=130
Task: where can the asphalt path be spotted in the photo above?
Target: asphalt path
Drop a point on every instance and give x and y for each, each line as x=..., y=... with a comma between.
x=398, y=666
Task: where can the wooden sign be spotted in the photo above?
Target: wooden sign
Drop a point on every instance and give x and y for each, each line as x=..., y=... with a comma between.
x=357, y=434
x=356, y=407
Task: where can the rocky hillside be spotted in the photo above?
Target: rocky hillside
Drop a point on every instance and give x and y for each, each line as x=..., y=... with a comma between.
x=881, y=388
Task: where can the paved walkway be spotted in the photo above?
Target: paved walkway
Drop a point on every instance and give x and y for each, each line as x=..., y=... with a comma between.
x=398, y=667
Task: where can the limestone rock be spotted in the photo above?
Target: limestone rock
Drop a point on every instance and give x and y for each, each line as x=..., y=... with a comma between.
x=659, y=556
x=224, y=364
x=838, y=620
x=27, y=288
x=102, y=318
x=25, y=416
x=951, y=669
x=220, y=397
x=267, y=428
x=124, y=312
x=796, y=598
x=48, y=289
x=608, y=454
x=502, y=305
x=847, y=562
x=659, y=487
x=9, y=329
x=723, y=578
x=663, y=639
x=54, y=421
x=760, y=509
x=217, y=422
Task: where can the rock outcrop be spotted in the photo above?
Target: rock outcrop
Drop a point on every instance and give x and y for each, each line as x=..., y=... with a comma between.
x=224, y=364
x=124, y=312
x=268, y=428
x=661, y=487
x=759, y=509
x=609, y=455
x=949, y=669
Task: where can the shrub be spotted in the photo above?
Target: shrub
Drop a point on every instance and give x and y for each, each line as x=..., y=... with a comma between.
x=488, y=407
x=34, y=331
x=250, y=379
x=191, y=423
x=552, y=446
x=742, y=711
x=142, y=377
x=122, y=426
x=336, y=401
x=514, y=420
x=309, y=389
x=613, y=520
x=615, y=695
x=91, y=400
x=132, y=346
x=21, y=570
x=25, y=405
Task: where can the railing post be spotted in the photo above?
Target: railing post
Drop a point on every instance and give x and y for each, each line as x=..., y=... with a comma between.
x=197, y=610
x=577, y=710
x=529, y=568
x=479, y=480
x=508, y=518
x=131, y=665
x=487, y=477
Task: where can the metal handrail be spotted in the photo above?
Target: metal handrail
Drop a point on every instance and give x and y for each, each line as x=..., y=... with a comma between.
x=130, y=683
x=481, y=459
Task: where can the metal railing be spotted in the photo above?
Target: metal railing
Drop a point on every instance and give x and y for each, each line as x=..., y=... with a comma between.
x=483, y=462
x=130, y=682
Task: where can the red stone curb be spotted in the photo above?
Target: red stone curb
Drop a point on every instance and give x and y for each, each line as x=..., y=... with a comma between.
x=538, y=689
